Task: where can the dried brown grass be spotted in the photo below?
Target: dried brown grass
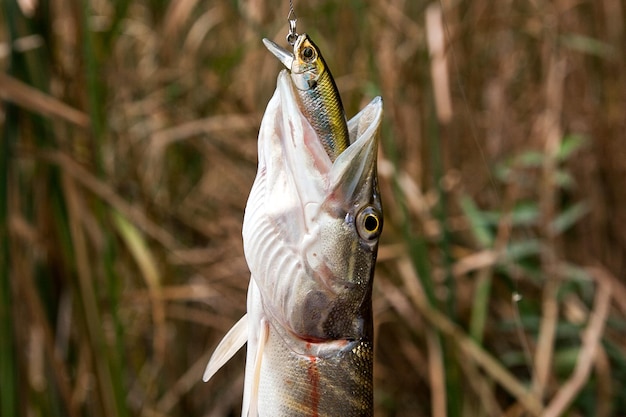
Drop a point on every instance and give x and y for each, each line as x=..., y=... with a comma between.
x=126, y=272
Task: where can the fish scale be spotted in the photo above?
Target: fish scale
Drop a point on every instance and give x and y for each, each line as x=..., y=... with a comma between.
x=338, y=385
x=328, y=120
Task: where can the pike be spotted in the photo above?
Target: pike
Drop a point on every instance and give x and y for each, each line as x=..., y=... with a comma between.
x=310, y=234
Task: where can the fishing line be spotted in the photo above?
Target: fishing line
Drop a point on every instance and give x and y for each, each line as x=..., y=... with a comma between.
x=516, y=296
x=291, y=17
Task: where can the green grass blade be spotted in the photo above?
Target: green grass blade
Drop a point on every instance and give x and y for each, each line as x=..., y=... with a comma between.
x=8, y=358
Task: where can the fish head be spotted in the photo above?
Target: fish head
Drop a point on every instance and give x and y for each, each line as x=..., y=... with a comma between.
x=312, y=225
x=306, y=63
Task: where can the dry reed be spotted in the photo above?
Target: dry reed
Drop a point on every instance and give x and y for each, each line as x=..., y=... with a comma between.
x=128, y=149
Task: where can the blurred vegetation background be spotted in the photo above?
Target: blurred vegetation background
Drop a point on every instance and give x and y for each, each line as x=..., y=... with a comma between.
x=128, y=148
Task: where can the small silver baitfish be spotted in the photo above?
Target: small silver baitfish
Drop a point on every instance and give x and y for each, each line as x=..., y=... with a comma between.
x=317, y=93
x=310, y=234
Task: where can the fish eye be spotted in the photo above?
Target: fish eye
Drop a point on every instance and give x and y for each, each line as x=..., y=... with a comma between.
x=369, y=223
x=308, y=53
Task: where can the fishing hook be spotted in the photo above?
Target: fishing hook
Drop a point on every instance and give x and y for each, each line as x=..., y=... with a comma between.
x=291, y=17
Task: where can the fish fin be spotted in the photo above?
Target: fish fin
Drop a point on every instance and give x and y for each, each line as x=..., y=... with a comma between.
x=253, y=404
x=230, y=344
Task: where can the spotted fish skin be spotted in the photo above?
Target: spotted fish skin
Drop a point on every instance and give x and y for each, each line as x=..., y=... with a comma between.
x=336, y=382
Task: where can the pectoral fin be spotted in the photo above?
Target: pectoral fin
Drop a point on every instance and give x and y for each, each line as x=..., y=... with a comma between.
x=230, y=344
x=254, y=394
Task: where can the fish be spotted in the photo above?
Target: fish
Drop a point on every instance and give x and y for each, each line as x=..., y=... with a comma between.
x=318, y=96
x=310, y=234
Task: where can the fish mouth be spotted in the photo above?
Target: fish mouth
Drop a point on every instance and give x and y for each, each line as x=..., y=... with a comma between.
x=289, y=61
x=279, y=52
x=314, y=174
